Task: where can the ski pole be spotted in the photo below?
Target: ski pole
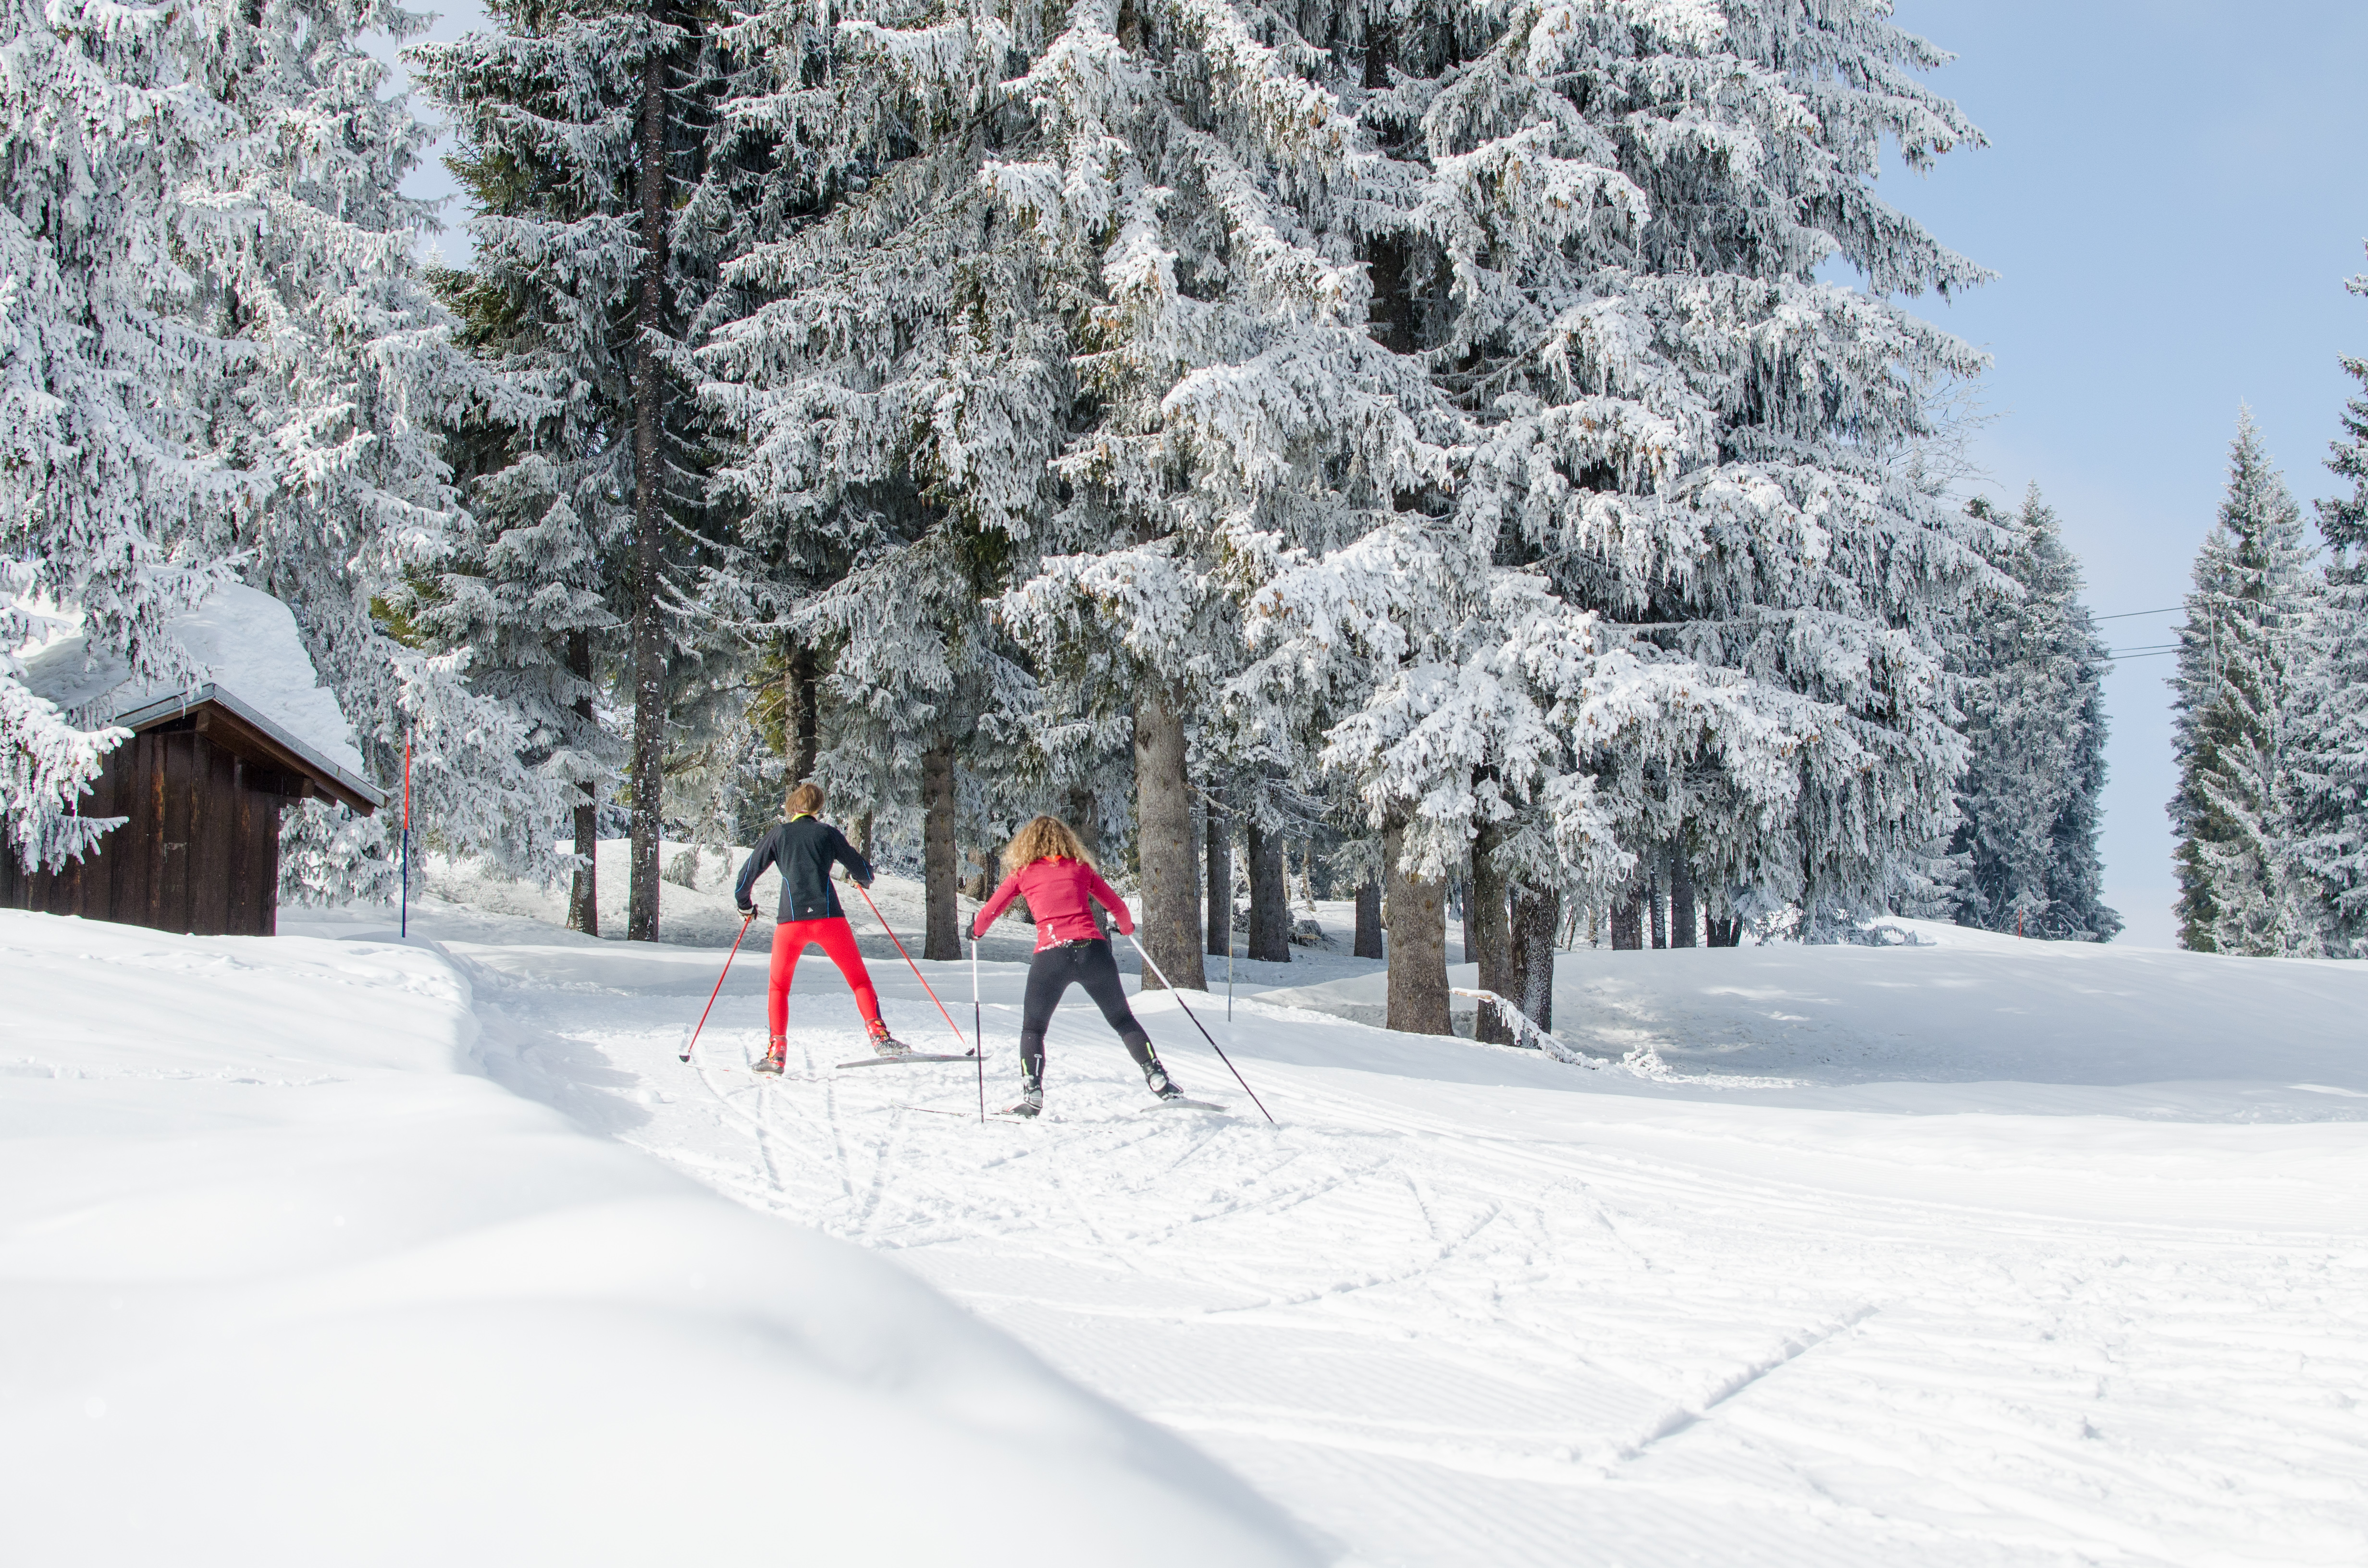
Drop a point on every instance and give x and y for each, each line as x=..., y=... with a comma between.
x=910, y=964
x=978, y=1031
x=745, y=922
x=1220, y=1050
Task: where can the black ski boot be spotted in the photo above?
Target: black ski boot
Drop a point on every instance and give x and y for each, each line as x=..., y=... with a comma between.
x=1156, y=1078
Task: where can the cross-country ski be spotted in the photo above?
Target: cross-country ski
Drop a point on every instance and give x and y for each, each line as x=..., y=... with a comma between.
x=909, y=1059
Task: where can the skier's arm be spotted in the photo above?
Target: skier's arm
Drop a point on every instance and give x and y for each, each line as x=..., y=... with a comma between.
x=743, y=891
x=996, y=905
x=857, y=865
x=1104, y=895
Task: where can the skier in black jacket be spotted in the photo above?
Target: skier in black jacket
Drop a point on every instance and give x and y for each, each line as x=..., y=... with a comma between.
x=806, y=847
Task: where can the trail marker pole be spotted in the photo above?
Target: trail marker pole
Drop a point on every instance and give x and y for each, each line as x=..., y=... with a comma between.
x=745, y=921
x=1220, y=1050
x=910, y=964
x=978, y=1031
x=403, y=924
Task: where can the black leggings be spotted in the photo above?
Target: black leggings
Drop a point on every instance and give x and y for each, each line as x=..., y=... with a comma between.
x=1050, y=975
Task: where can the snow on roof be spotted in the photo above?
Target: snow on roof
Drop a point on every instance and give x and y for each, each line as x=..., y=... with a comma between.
x=244, y=642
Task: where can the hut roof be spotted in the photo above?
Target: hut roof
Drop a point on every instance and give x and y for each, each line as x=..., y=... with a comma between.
x=261, y=696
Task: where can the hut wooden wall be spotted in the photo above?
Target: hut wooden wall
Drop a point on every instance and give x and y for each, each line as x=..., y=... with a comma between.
x=200, y=851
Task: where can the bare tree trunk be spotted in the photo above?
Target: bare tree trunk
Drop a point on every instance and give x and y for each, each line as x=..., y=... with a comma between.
x=863, y=836
x=584, y=892
x=1681, y=899
x=804, y=697
x=1269, y=895
x=1369, y=920
x=1537, y=919
x=1653, y=903
x=939, y=939
x=1418, y=918
x=1725, y=932
x=1628, y=920
x=649, y=525
x=1221, y=875
x=1086, y=818
x=1163, y=829
x=1487, y=929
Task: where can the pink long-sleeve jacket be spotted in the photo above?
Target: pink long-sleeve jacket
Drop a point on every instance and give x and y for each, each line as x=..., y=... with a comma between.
x=1061, y=894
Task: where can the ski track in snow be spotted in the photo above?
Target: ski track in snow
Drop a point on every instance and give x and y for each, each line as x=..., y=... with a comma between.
x=1449, y=1322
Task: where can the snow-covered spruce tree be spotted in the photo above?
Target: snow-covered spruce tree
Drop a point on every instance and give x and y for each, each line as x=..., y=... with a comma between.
x=532, y=569
x=894, y=389
x=2240, y=891
x=1198, y=198
x=2327, y=752
x=588, y=135
x=2032, y=696
x=1677, y=430
x=348, y=373
x=111, y=375
x=1694, y=437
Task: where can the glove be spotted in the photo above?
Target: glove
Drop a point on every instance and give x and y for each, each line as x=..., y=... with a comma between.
x=748, y=912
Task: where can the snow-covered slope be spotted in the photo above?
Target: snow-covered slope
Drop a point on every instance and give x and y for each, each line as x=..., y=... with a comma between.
x=1979, y=1295
x=282, y=1281
x=1962, y=1008
x=1970, y=1254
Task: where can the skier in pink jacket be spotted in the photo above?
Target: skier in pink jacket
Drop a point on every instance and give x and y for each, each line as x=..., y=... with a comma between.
x=1046, y=865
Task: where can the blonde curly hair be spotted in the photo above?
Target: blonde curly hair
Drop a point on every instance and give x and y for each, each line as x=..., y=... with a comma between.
x=1042, y=839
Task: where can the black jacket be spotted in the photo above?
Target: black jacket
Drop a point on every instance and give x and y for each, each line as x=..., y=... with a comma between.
x=804, y=849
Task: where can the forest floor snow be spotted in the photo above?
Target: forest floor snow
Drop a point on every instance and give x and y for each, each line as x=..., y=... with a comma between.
x=1981, y=1251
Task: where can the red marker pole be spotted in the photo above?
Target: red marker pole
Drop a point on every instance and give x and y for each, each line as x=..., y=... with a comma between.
x=404, y=926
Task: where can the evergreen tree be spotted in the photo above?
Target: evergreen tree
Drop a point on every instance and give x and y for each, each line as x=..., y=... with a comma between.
x=347, y=373
x=111, y=375
x=1195, y=186
x=1679, y=447
x=2032, y=696
x=2328, y=757
x=222, y=355
x=605, y=197
x=892, y=392
x=2240, y=891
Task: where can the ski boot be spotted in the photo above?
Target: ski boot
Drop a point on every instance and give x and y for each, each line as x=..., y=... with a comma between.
x=1032, y=1097
x=886, y=1044
x=776, y=1056
x=1155, y=1078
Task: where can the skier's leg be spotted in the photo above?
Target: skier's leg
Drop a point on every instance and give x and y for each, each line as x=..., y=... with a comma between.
x=1098, y=973
x=837, y=941
x=788, y=943
x=1049, y=973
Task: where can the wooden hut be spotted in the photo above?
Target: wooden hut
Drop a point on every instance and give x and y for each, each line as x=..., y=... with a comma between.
x=200, y=785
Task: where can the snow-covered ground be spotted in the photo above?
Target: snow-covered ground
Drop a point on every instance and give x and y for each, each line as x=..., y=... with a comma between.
x=285, y=1280
x=1977, y=1253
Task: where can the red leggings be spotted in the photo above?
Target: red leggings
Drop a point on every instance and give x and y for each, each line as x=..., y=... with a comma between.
x=837, y=940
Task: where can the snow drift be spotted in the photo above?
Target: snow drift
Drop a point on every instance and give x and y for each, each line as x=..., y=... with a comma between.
x=287, y=1283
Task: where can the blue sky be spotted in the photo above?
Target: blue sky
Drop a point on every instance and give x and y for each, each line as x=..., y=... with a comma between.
x=2173, y=195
